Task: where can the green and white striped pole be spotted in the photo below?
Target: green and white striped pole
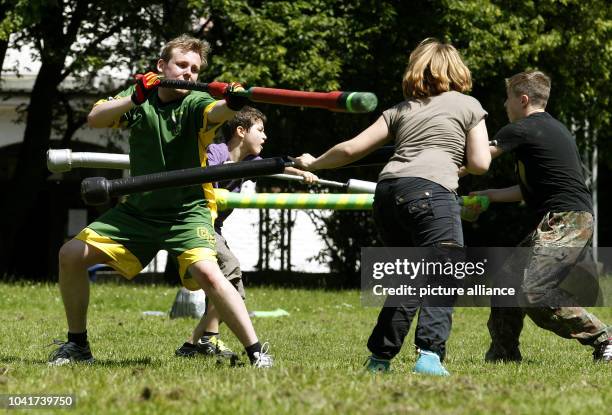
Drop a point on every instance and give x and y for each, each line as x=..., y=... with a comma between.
x=334, y=201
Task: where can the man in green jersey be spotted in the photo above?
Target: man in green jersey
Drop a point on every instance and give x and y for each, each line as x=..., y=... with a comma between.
x=169, y=129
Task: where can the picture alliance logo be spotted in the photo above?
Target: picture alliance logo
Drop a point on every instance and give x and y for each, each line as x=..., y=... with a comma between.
x=412, y=269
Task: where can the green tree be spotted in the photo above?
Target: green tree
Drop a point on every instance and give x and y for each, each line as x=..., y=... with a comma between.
x=571, y=40
x=310, y=45
x=13, y=16
x=76, y=40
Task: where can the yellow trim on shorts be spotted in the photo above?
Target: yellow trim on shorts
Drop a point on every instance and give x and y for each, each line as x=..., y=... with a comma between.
x=189, y=257
x=205, y=138
x=122, y=260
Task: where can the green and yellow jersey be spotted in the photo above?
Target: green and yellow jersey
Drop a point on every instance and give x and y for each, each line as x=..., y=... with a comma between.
x=163, y=137
x=169, y=136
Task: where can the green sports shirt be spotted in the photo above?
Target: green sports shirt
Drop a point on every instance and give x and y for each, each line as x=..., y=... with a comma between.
x=169, y=136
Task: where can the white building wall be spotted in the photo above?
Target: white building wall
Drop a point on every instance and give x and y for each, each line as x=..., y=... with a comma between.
x=10, y=131
x=241, y=230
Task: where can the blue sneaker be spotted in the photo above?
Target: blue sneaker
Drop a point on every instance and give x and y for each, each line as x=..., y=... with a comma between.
x=429, y=363
x=376, y=365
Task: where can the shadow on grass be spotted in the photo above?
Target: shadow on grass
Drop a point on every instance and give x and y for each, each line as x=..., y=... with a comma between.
x=488, y=364
x=13, y=359
x=332, y=281
x=146, y=361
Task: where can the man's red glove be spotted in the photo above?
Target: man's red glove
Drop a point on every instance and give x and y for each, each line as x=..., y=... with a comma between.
x=145, y=84
x=235, y=102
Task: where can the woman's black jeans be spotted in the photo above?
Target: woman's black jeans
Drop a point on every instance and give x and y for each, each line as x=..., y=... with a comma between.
x=414, y=212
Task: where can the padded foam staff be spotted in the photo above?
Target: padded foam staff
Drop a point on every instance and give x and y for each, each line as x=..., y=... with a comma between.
x=63, y=160
x=341, y=101
x=98, y=190
x=352, y=186
x=334, y=201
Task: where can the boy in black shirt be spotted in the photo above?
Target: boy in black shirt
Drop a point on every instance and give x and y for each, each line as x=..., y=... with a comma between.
x=551, y=181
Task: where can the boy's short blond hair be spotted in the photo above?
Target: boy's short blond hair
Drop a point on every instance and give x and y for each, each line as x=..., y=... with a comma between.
x=534, y=84
x=435, y=67
x=186, y=43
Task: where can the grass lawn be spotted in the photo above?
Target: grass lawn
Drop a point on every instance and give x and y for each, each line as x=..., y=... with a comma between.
x=319, y=351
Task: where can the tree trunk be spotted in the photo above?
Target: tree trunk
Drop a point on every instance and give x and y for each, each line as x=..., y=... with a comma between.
x=25, y=233
x=4, y=9
x=3, y=48
x=19, y=207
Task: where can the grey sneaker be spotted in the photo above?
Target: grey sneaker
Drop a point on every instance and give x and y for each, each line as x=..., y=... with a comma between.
x=69, y=352
x=213, y=346
x=263, y=359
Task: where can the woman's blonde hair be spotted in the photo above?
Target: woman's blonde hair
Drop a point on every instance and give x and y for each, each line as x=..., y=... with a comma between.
x=435, y=67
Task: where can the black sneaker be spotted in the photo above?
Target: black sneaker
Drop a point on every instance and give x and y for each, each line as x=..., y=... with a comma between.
x=603, y=352
x=69, y=352
x=213, y=346
x=498, y=353
x=186, y=350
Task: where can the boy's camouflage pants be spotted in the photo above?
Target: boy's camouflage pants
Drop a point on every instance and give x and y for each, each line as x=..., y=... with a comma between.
x=558, y=242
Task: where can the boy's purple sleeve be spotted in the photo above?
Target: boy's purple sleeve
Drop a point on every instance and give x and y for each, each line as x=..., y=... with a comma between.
x=214, y=153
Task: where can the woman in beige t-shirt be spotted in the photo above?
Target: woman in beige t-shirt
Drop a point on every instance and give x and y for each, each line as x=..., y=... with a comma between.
x=434, y=129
